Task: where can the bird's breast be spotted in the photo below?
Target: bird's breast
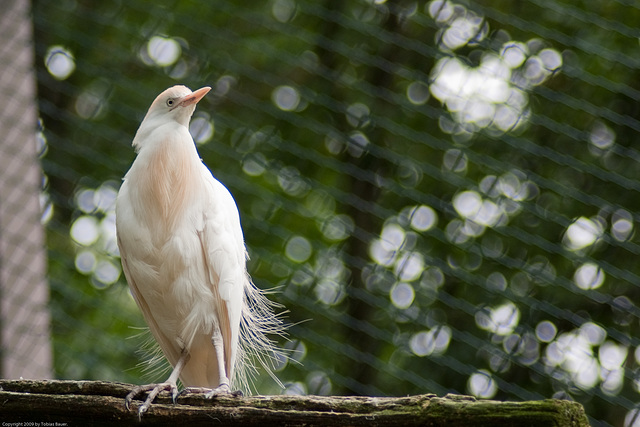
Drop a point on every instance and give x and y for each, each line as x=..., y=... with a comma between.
x=166, y=187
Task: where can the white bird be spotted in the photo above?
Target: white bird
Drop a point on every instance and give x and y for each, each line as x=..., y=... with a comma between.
x=183, y=254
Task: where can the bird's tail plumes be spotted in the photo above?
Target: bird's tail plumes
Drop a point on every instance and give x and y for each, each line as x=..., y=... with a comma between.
x=258, y=321
x=153, y=363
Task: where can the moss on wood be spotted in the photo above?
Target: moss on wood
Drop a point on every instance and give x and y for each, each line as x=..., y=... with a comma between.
x=102, y=403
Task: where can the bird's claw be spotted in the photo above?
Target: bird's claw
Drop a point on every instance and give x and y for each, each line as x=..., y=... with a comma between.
x=154, y=390
x=222, y=389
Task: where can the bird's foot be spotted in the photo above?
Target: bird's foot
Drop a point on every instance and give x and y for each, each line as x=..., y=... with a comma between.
x=221, y=390
x=154, y=390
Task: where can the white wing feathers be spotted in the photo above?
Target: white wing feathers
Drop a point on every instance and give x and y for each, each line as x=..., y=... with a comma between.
x=222, y=246
x=249, y=311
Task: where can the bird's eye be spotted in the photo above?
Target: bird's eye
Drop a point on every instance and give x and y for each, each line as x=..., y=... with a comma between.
x=169, y=102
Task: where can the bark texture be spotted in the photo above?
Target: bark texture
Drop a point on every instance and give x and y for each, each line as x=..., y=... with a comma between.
x=69, y=403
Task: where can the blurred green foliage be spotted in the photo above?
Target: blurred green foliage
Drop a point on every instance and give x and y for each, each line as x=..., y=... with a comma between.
x=444, y=193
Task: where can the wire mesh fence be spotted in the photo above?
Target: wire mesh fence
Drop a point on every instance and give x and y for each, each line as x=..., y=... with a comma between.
x=444, y=193
x=24, y=315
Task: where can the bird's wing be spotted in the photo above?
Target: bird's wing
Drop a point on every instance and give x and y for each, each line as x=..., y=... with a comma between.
x=133, y=241
x=168, y=346
x=224, y=252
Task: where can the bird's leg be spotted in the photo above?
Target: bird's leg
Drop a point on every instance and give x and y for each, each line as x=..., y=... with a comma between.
x=223, y=379
x=154, y=389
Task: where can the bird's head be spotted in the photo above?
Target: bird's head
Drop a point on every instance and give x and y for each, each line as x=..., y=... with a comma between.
x=176, y=103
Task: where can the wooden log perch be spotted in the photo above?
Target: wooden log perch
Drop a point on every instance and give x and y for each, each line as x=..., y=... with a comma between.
x=74, y=403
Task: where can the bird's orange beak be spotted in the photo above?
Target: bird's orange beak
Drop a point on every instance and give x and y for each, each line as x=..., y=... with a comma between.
x=194, y=97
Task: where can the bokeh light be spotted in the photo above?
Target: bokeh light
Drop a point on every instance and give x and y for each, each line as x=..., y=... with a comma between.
x=163, y=51
x=286, y=98
x=60, y=62
x=481, y=384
